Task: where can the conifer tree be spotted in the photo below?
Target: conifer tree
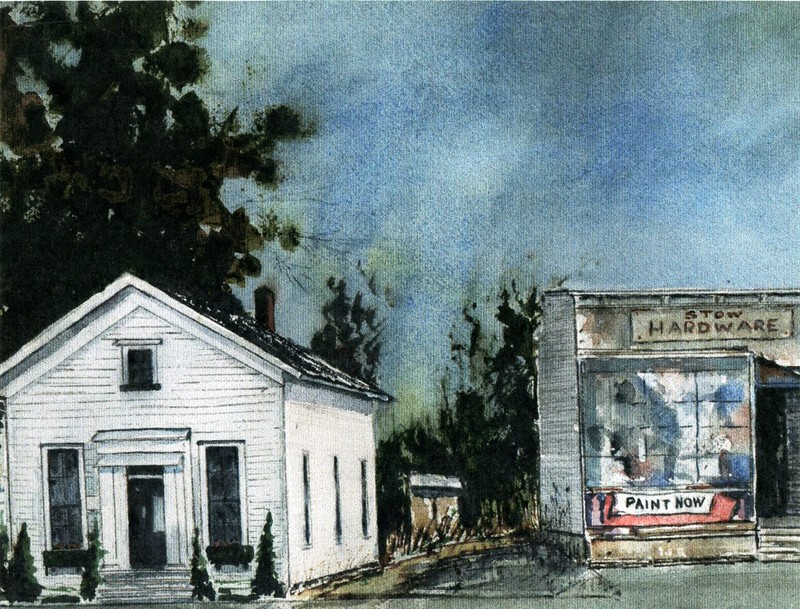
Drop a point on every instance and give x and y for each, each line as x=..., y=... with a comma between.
x=21, y=584
x=5, y=543
x=201, y=583
x=266, y=582
x=90, y=577
x=351, y=337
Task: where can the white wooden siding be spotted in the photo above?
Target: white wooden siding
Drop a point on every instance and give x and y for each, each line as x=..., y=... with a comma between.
x=324, y=431
x=202, y=388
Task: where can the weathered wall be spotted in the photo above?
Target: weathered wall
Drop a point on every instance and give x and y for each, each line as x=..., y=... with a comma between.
x=561, y=486
x=763, y=323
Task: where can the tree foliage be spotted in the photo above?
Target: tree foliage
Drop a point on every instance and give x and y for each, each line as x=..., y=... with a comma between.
x=5, y=544
x=266, y=581
x=350, y=340
x=110, y=161
x=200, y=581
x=489, y=416
x=21, y=582
x=416, y=448
x=90, y=575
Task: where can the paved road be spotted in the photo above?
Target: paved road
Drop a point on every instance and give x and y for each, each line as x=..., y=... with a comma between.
x=734, y=586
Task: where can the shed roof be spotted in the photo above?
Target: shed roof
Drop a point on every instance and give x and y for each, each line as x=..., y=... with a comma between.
x=434, y=481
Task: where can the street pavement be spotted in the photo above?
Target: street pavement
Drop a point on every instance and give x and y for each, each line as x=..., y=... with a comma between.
x=751, y=585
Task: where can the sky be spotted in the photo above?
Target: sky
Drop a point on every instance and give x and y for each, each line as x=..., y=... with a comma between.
x=458, y=146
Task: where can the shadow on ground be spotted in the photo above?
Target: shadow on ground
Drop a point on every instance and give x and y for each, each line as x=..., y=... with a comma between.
x=524, y=570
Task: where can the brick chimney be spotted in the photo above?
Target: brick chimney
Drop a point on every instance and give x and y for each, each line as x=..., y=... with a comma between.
x=265, y=307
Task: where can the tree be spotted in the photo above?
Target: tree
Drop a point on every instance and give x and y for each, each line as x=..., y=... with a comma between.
x=5, y=542
x=21, y=584
x=394, y=503
x=201, y=583
x=90, y=576
x=490, y=416
x=351, y=337
x=418, y=448
x=112, y=162
x=266, y=581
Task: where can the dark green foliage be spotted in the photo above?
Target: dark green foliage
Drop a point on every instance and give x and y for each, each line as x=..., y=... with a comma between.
x=415, y=448
x=201, y=583
x=394, y=509
x=61, y=599
x=491, y=415
x=90, y=576
x=64, y=559
x=230, y=554
x=129, y=176
x=5, y=544
x=351, y=337
x=266, y=581
x=21, y=583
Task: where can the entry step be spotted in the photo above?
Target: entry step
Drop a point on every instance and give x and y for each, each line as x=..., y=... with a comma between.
x=145, y=586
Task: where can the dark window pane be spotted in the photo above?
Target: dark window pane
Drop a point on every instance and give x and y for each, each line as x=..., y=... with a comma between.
x=140, y=367
x=65, y=498
x=337, y=499
x=224, y=509
x=306, y=502
x=364, y=501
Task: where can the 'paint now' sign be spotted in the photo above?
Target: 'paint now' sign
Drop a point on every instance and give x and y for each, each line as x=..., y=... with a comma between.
x=712, y=323
x=626, y=504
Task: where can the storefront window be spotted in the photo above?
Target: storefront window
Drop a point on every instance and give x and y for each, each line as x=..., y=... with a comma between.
x=667, y=429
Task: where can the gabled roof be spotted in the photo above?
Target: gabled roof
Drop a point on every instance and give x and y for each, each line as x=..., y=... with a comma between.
x=244, y=330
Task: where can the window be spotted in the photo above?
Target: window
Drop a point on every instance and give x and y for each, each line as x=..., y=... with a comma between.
x=364, y=500
x=337, y=500
x=63, y=477
x=668, y=428
x=224, y=506
x=140, y=367
x=139, y=364
x=306, y=501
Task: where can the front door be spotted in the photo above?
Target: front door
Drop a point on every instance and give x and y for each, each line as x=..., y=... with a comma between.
x=146, y=531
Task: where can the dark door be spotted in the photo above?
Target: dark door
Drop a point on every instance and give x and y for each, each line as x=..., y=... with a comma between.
x=146, y=522
x=772, y=454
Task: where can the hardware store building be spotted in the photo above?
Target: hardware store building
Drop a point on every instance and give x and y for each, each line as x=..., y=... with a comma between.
x=670, y=423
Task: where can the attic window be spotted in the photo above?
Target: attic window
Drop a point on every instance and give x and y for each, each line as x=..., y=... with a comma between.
x=139, y=369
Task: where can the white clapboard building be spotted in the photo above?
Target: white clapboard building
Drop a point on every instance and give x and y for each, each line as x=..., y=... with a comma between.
x=148, y=416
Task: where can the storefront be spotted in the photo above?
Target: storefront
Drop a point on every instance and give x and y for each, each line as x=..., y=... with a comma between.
x=670, y=424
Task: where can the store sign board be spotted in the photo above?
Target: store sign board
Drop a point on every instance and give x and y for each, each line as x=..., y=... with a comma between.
x=712, y=323
x=678, y=502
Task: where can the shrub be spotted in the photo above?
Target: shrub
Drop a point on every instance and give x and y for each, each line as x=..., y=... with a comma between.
x=266, y=582
x=90, y=576
x=21, y=583
x=201, y=583
x=64, y=559
x=230, y=554
x=61, y=599
x=5, y=542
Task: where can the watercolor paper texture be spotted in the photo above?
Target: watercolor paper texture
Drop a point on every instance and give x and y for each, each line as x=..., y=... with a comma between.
x=370, y=304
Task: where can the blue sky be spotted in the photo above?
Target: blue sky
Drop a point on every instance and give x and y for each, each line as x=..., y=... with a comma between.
x=460, y=145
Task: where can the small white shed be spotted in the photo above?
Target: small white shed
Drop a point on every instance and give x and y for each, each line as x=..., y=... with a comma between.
x=149, y=415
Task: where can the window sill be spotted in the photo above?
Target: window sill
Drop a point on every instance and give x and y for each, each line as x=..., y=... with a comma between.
x=151, y=387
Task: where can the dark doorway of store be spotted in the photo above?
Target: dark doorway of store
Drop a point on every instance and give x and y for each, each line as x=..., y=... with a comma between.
x=146, y=528
x=773, y=497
